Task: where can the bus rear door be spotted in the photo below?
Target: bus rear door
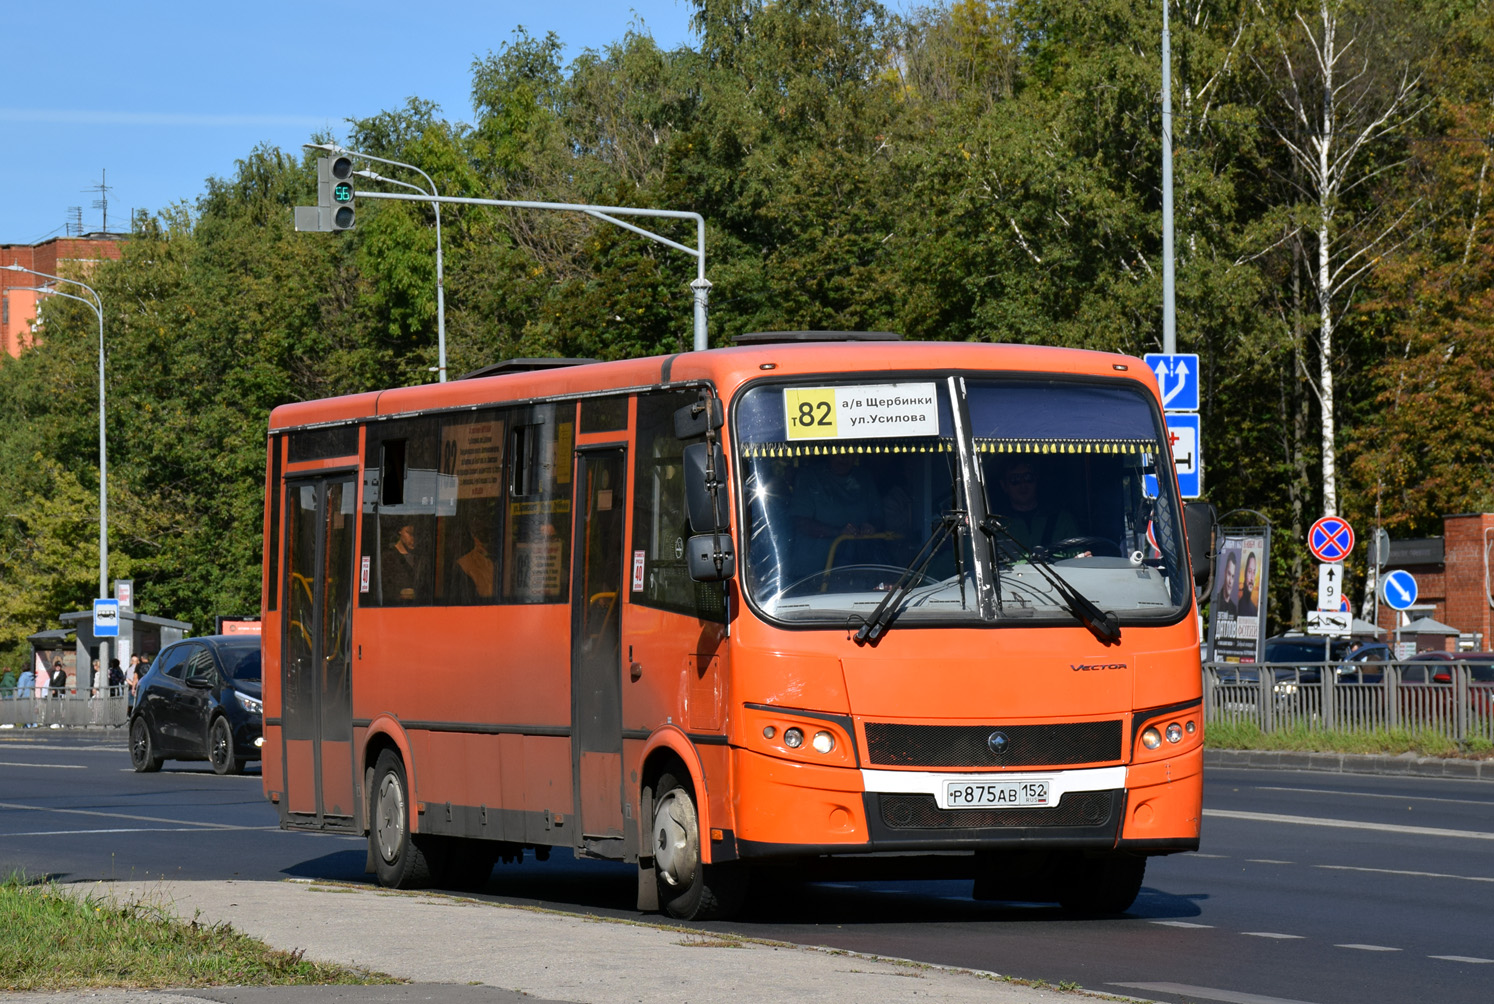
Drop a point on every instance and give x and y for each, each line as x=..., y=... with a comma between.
x=316, y=689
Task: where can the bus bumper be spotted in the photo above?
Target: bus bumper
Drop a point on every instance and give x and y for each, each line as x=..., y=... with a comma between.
x=794, y=810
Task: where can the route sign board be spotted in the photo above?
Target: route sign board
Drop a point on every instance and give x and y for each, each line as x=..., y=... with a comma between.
x=106, y=618
x=1399, y=589
x=1329, y=622
x=1177, y=379
x=1330, y=539
x=1187, y=457
x=1331, y=586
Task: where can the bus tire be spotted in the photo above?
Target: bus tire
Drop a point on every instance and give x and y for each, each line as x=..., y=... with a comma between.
x=689, y=889
x=1103, y=885
x=398, y=860
x=143, y=755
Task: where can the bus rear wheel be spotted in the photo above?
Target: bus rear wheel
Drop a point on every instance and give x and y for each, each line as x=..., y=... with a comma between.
x=398, y=861
x=1102, y=885
x=688, y=888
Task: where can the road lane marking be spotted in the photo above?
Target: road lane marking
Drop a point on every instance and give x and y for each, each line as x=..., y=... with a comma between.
x=1273, y=934
x=1180, y=923
x=1401, y=871
x=134, y=829
x=54, y=766
x=1208, y=993
x=1377, y=794
x=1347, y=824
x=1461, y=958
x=1369, y=948
x=119, y=815
x=1268, y=861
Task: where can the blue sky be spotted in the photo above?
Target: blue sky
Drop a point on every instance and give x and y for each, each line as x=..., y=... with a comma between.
x=163, y=94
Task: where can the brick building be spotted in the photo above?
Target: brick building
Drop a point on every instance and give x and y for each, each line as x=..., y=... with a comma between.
x=68, y=256
x=1454, y=580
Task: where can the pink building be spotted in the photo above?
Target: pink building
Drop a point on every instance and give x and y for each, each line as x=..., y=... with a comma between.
x=69, y=256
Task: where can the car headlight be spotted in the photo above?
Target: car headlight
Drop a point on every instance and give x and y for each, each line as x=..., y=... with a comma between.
x=250, y=704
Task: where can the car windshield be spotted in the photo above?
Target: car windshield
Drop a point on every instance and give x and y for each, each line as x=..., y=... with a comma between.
x=844, y=483
x=241, y=662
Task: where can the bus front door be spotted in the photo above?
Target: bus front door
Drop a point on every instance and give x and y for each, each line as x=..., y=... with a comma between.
x=316, y=689
x=596, y=650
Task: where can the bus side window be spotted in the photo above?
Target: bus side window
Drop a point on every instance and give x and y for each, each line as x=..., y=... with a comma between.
x=399, y=536
x=537, y=529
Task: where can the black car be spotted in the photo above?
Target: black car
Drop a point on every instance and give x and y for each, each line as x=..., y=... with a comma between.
x=200, y=701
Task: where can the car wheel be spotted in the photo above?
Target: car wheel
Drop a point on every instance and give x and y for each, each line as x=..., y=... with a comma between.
x=220, y=748
x=689, y=889
x=398, y=860
x=143, y=747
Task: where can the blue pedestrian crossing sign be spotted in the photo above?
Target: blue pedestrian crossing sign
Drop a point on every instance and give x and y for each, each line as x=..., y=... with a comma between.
x=106, y=618
x=1177, y=379
x=1399, y=590
x=1183, y=436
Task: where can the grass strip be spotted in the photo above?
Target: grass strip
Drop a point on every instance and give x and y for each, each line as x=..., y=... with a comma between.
x=1301, y=739
x=54, y=938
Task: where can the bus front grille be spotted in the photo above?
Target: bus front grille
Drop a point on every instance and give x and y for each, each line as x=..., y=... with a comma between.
x=1077, y=808
x=898, y=745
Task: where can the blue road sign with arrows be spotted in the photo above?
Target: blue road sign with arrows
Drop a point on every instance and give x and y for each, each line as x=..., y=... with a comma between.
x=1177, y=378
x=1399, y=589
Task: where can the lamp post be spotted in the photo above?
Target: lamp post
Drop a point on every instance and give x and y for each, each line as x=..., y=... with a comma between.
x=97, y=306
x=435, y=196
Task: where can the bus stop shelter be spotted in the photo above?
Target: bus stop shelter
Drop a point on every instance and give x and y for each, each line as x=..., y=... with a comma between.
x=139, y=634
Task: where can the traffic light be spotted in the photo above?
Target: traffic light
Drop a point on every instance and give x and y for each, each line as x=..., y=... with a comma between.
x=334, y=189
x=334, y=197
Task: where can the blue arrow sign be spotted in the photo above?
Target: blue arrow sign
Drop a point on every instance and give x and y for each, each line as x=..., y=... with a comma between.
x=1177, y=379
x=1399, y=590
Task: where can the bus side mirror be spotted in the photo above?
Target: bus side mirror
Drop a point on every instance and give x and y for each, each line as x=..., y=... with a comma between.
x=705, y=480
x=711, y=557
x=1199, y=521
x=695, y=419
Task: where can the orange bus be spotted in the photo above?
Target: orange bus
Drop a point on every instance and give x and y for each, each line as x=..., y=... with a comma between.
x=825, y=601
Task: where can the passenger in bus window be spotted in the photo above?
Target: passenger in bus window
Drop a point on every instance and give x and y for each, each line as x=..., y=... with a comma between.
x=836, y=510
x=1026, y=518
x=475, y=584
x=402, y=566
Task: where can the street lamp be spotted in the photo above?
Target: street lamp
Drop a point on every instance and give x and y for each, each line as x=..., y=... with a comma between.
x=333, y=148
x=97, y=306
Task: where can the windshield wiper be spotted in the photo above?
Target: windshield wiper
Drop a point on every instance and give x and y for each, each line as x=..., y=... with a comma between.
x=1104, y=623
x=877, y=624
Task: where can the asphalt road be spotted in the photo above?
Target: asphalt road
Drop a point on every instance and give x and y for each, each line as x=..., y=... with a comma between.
x=1315, y=887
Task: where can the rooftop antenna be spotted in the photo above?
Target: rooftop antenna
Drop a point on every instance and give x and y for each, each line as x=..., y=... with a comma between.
x=102, y=202
x=74, y=221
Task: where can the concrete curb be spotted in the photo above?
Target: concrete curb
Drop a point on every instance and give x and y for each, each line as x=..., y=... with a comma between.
x=1407, y=764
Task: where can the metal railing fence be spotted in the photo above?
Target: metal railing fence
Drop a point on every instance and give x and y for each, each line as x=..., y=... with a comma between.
x=74, y=706
x=1445, y=698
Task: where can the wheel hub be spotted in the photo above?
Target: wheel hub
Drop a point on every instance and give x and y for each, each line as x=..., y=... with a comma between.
x=389, y=819
x=676, y=838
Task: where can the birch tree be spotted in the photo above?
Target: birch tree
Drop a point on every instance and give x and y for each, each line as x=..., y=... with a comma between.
x=1340, y=93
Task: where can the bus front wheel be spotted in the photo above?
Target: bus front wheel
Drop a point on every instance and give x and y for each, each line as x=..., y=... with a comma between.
x=688, y=888
x=398, y=861
x=1102, y=885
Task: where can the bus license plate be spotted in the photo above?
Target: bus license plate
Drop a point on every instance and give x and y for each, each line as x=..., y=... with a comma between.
x=962, y=794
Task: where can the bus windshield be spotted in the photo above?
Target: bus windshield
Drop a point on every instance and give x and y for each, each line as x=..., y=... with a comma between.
x=844, y=483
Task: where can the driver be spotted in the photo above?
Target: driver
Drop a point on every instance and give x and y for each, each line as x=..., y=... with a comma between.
x=1022, y=512
x=835, y=509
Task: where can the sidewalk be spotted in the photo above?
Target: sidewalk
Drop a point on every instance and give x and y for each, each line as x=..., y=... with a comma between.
x=462, y=951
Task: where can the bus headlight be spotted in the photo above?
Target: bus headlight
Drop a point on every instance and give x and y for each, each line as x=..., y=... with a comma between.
x=823, y=742
x=1151, y=738
x=1174, y=733
x=793, y=738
